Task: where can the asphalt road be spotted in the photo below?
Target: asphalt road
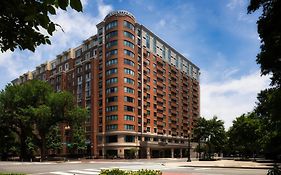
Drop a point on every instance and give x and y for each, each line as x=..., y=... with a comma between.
x=94, y=167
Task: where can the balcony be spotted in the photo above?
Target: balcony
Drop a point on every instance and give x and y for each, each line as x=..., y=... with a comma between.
x=160, y=93
x=160, y=107
x=159, y=99
x=160, y=84
x=160, y=115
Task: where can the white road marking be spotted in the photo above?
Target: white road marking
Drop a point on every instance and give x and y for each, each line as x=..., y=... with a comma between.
x=61, y=173
x=83, y=172
x=128, y=168
x=97, y=170
x=198, y=169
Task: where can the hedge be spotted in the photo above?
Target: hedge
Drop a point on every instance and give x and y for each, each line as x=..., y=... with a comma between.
x=122, y=172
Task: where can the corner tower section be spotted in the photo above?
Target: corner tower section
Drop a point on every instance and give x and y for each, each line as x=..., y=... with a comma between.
x=118, y=120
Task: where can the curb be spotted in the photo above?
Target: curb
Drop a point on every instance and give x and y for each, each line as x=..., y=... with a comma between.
x=266, y=168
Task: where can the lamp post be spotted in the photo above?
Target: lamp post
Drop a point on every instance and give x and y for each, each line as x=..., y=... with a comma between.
x=67, y=132
x=188, y=148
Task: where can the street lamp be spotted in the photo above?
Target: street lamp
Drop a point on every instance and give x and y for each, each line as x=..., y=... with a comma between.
x=67, y=133
x=188, y=148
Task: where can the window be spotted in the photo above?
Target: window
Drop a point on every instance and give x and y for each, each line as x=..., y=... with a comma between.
x=66, y=66
x=79, y=79
x=111, y=117
x=112, y=80
x=129, y=90
x=111, y=71
x=169, y=55
x=111, y=108
x=111, y=128
x=148, y=129
x=100, y=31
x=147, y=41
x=129, y=127
x=129, y=35
x=129, y=53
x=111, y=25
x=154, y=45
x=88, y=66
x=129, y=138
x=129, y=108
x=129, y=80
x=129, y=117
x=129, y=71
x=111, y=34
x=129, y=44
x=111, y=90
x=128, y=25
x=111, y=62
x=78, y=52
x=111, y=99
x=129, y=99
x=111, y=43
x=164, y=52
x=129, y=62
x=88, y=76
x=111, y=52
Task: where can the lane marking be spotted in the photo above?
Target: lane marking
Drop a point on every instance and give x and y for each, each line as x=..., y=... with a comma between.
x=61, y=173
x=83, y=172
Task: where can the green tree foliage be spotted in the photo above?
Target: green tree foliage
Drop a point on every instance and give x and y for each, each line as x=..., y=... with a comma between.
x=212, y=134
x=78, y=139
x=244, y=135
x=22, y=21
x=269, y=101
x=53, y=139
x=32, y=109
x=269, y=112
x=269, y=29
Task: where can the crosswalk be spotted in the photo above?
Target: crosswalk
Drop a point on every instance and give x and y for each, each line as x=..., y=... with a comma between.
x=94, y=171
x=76, y=172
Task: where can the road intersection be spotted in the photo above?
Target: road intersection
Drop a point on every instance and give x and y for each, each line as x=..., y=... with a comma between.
x=167, y=166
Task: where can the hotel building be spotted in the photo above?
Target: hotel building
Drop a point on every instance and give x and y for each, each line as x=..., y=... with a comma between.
x=141, y=93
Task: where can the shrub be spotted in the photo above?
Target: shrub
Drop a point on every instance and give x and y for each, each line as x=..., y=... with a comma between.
x=122, y=172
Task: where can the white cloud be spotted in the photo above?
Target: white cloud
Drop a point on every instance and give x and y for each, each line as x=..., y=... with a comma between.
x=235, y=3
x=103, y=9
x=9, y=65
x=162, y=23
x=230, y=99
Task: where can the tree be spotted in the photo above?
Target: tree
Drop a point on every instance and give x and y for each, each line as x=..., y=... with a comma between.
x=32, y=109
x=269, y=29
x=53, y=139
x=269, y=58
x=269, y=112
x=244, y=135
x=212, y=133
x=217, y=135
x=200, y=133
x=22, y=21
x=13, y=115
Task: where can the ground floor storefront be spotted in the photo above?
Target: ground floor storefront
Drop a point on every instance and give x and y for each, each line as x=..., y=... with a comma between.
x=147, y=151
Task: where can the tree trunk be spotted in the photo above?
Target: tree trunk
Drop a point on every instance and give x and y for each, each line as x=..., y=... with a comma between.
x=43, y=147
x=23, y=148
x=199, y=149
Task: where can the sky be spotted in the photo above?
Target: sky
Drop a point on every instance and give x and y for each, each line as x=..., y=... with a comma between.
x=216, y=35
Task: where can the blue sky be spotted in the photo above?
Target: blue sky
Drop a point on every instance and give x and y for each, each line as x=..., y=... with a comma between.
x=218, y=36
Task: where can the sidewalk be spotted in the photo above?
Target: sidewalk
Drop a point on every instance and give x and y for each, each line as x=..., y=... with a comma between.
x=221, y=164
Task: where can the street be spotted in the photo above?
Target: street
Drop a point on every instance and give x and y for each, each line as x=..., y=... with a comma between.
x=95, y=166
